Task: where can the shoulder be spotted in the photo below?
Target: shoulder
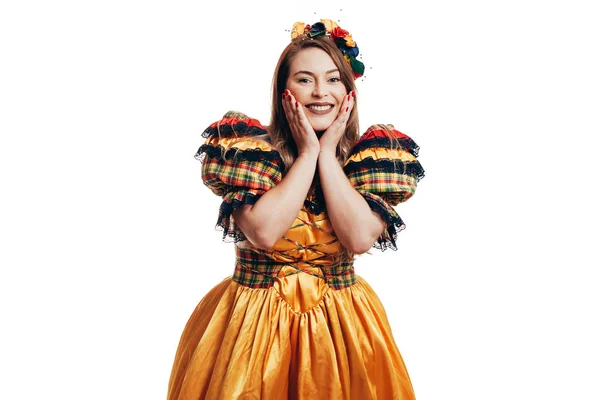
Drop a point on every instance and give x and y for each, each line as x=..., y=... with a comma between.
x=383, y=147
x=234, y=124
x=385, y=137
x=237, y=134
x=237, y=154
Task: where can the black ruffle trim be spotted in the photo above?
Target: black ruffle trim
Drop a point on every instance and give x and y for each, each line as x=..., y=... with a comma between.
x=395, y=225
x=406, y=144
x=413, y=169
x=238, y=129
x=317, y=203
x=314, y=208
x=243, y=154
x=225, y=211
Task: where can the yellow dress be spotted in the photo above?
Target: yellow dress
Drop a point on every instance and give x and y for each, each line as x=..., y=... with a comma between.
x=294, y=322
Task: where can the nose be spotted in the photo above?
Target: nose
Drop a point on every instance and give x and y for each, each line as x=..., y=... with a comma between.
x=318, y=90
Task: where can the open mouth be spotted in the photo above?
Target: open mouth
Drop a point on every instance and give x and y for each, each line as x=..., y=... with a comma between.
x=319, y=108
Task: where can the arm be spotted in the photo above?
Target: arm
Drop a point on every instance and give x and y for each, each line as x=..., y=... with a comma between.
x=271, y=216
x=355, y=224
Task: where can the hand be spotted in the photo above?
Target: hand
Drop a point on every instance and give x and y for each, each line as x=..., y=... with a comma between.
x=302, y=132
x=332, y=136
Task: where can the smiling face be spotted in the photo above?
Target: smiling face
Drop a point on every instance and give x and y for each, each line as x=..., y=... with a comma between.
x=315, y=82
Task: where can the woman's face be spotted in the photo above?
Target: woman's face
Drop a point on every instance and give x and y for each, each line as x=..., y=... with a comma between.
x=315, y=82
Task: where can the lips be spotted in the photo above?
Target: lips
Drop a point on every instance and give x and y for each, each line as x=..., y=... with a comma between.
x=319, y=108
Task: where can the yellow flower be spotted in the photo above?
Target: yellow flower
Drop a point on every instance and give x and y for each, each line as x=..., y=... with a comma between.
x=349, y=41
x=298, y=29
x=329, y=25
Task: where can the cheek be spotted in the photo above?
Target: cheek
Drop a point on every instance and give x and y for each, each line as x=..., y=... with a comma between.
x=295, y=88
x=297, y=92
x=289, y=86
x=341, y=95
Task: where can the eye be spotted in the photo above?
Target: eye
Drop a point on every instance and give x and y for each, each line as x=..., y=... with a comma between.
x=303, y=80
x=334, y=79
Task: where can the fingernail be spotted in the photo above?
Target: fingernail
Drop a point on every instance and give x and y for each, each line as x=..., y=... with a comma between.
x=346, y=109
x=290, y=98
x=296, y=104
x=348, y=98
x=283, y=96
x=353, y=95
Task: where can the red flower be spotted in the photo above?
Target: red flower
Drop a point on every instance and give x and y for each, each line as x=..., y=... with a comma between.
x=338, y=32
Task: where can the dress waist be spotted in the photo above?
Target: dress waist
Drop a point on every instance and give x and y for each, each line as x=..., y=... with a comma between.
x=258, y=270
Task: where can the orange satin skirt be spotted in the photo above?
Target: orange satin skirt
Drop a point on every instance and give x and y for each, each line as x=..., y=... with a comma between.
x=298, y=339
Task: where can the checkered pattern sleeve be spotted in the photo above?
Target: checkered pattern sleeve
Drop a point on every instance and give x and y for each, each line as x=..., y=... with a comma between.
x=383, y=168
x=239, y=165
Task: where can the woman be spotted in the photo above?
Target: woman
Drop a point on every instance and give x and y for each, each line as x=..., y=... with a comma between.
x=301, y=197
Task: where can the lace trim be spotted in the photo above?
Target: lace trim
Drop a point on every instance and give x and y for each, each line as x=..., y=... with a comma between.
x=316, y=205
x=225, y=222
x=406, y=143
x=395, y=224
x=413, y=169
x=235, y=129
x=239, y=154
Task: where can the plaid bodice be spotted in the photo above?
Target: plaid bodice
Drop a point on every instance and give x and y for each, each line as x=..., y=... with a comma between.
x=309, y=246
x=239, y=165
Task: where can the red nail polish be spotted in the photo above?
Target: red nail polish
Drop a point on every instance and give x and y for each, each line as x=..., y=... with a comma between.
x=296, y=104
x=353, y=95
x=346, y=109
x=348, y=98
x=283, y=96
x=290, y=98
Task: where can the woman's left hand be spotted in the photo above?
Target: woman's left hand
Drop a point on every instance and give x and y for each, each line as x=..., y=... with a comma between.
x=332, y=136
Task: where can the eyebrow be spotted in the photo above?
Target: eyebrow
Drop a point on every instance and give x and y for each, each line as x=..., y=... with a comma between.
x=312, y=74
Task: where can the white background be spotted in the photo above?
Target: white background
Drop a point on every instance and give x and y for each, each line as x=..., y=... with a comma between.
x=107, y=232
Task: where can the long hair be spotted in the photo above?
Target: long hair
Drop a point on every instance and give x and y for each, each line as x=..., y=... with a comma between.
x=279, y=131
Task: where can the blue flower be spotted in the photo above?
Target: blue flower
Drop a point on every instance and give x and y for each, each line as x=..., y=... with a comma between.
x=317, y=29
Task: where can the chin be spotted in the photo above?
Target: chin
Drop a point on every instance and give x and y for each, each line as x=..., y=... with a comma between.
x=320, y=126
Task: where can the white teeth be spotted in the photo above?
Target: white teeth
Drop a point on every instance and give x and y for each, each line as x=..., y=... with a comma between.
x=319, y=108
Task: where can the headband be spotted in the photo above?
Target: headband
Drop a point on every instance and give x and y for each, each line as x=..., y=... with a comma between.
x=342, y=39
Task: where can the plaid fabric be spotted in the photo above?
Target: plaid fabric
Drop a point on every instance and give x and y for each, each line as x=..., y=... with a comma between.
x=239, y=169
x=258, y=270
x=223, y=176
x=393, y=186
x=234, y=123
x=340, y=276
x=384, y=169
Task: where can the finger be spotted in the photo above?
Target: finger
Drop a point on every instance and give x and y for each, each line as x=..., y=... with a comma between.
x=293, y=105
x=344, y=111
x=288, y=107
x=301, y=114
x=293, y=110
x=348, y=102
x=352, y=100
x=299, y=117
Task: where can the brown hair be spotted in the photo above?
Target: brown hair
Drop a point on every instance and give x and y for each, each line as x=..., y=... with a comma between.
x=279, y=130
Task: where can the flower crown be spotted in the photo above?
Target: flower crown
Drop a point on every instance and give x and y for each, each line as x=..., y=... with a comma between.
x=342, y=39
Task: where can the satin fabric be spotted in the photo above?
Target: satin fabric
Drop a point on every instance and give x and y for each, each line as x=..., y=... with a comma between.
x=294, y=321
x=298, y=339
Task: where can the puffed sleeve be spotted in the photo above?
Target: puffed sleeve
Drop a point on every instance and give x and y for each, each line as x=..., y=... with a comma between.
x=383, y=168
x=238, y=165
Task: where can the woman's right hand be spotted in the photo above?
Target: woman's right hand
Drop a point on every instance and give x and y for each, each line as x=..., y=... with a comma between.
x=302, y=132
